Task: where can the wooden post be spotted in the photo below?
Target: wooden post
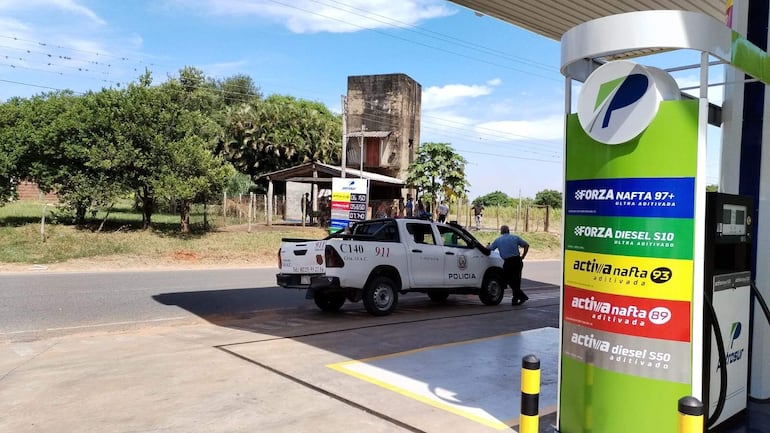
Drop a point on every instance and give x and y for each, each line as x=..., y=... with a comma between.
x=224, y=208
x=547, y=218
x=251, y=208
x=526, y=219
x=269, y=202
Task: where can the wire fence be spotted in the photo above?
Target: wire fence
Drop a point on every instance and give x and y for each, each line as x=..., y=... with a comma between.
x=251, y=209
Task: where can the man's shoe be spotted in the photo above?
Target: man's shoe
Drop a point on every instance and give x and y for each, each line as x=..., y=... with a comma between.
x=519, y=301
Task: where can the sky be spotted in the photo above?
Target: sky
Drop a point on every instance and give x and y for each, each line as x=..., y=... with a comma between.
x=491, y=90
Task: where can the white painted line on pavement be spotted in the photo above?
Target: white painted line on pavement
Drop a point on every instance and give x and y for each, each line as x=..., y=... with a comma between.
x=69, y=328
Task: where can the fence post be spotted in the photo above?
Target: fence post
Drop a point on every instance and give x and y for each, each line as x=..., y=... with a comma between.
x=530, y=394
x=526, y=219
x=690, y=419
x=547, y=218
x=224, y=208
x=251, y=208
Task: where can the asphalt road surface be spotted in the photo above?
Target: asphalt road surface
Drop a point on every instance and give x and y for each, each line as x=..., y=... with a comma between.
x=39, y=305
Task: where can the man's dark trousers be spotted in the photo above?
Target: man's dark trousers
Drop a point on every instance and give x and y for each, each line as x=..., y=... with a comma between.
x=512, y=267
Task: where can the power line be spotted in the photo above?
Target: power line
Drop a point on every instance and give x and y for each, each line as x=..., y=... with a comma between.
x=415, y=42
x=437, y=35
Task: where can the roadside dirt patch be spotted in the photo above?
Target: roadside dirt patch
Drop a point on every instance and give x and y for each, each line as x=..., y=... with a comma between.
x=184, y=256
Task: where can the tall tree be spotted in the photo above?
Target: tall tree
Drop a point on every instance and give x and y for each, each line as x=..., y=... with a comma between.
x=548, y=197
x=279, y=132
x=65, y=134
x=238, y=89
x=496, y=198
x=12, y=147
x=192, y=171
x=438, y=172
x=170, y=136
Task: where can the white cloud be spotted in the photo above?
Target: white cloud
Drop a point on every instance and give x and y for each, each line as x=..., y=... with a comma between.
x=70, y=6
x=309, y=16
x=435, y=97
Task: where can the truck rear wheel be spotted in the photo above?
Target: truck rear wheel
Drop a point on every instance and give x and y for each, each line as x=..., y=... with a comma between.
x=330, y=302
x=380, y=296
x=493, y=289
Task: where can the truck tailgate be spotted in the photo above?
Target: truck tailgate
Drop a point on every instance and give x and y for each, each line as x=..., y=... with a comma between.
x=306, y=257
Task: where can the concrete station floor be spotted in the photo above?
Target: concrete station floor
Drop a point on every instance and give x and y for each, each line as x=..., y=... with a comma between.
x=452, y=368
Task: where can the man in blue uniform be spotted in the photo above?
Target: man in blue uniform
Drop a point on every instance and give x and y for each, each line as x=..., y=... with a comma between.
x=508, y=246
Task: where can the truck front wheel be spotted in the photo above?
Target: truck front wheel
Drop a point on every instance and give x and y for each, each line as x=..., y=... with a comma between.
x=330, y=302
x=493, y=289
x=380, y=296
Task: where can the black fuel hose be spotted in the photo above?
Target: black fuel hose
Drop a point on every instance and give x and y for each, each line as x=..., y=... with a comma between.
x=763, y=305
x=722, y=363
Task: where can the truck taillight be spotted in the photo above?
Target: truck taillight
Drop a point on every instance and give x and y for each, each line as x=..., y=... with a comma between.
x=332, y=258
x=280, y=263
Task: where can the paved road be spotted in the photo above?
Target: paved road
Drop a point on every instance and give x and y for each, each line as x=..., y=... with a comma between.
x=66, y=302
x=36, y=305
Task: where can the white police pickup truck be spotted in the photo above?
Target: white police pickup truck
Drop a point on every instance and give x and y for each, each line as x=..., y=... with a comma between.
x=381, y=258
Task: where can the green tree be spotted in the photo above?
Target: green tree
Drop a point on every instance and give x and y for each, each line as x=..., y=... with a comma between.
x=12, y=147
x=66, y=139
x=496, y=198
x=171, y=135
x=438, y=172
x=237, y=90
x=548, y=197
x=279, y=132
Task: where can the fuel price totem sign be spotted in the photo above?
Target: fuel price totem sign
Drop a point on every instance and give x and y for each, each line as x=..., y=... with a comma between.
x=350, y=197
x=628, y=253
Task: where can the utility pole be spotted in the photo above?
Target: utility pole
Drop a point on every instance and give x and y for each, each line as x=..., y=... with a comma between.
x=361, y=142
x=344, y=134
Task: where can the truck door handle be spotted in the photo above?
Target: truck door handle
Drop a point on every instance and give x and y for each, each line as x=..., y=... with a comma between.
x=449, y=253
x=416, y=251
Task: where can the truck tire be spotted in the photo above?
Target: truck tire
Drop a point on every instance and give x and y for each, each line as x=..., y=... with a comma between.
x=438, y=296
x=380, y=296
x=330, y=302
x=492, y=289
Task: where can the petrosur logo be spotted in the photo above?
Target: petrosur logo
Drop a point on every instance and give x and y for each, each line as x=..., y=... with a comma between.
x=621, y=98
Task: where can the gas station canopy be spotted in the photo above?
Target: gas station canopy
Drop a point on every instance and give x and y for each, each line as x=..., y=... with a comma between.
x=552, y=18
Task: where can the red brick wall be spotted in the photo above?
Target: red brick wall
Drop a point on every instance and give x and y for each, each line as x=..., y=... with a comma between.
x=29, y=191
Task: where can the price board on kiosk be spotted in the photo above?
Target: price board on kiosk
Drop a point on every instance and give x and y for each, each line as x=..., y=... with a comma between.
x=350, y=197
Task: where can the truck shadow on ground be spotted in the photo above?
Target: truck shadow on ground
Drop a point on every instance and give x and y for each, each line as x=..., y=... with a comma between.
x=417, y=325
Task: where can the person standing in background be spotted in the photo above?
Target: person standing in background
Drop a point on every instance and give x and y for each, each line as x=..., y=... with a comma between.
x=443, y=210
x=508, y=246
x=409, y=206
x=478, y=212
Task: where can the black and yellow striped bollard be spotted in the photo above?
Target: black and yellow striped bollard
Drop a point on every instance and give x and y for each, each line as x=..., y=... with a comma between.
x=690, y=419
x=530, y=394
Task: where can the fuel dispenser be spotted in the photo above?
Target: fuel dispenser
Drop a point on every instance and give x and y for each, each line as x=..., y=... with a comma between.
x=727, y=315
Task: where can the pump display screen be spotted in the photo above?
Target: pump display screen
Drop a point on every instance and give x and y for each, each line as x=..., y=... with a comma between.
x=733, y=220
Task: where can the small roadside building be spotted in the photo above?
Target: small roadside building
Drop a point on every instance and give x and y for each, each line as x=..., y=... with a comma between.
x=318, y=176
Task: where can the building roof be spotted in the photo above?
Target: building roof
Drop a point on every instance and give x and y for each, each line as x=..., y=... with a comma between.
x=304, y=173
x=552, y=18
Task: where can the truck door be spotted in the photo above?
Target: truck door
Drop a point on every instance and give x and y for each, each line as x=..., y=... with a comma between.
x=426, y=256
x=464, y=264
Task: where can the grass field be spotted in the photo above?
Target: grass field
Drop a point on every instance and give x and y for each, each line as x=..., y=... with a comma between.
x=121, y=243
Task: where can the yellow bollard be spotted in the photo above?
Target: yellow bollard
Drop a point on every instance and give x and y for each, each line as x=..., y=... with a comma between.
x=530, y=394
x=690, y=417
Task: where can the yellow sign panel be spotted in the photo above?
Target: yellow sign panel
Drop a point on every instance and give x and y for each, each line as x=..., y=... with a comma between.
x=341, y=196
x=641, y=277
